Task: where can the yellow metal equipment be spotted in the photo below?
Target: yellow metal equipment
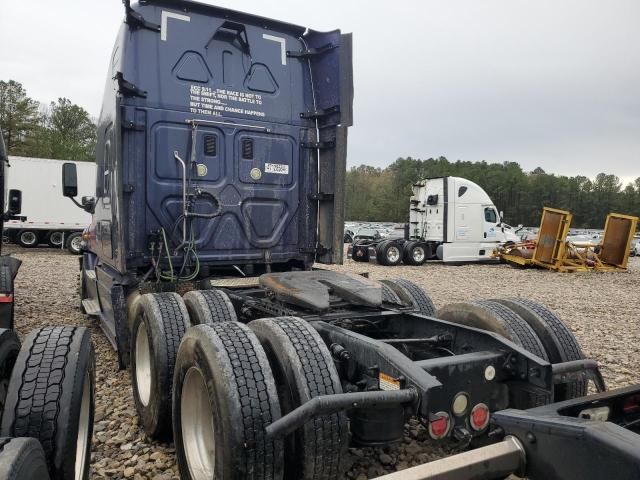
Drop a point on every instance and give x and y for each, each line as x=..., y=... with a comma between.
x=553, y=251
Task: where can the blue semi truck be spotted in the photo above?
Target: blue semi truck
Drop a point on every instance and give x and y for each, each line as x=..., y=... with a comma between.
x=221, y=160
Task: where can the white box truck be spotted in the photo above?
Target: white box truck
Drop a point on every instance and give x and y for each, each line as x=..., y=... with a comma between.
x=50, y=217
x=451, y=219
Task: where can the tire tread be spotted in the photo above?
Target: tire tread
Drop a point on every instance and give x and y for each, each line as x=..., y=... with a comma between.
x=255, y=402
x=325, y=437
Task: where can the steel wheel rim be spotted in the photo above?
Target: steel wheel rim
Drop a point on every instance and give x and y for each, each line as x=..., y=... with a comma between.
x=197, y=424
x=56, y=238
x=83, y=428
x=143, y=365
x=28, y=238
x=393, y=254
x=418, y=254
x=76, y=243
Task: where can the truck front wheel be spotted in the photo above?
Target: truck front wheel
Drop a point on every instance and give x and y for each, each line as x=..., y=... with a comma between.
x=74, y=243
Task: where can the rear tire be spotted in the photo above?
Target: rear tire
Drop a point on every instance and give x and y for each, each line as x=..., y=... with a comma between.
x=389, y=253
x=161, y=320
x=496, y=318
x=27, y=238
x=51, y=398
x=559, y=343
x=224, y=397
x=73, y=243
x=304, y=369
x=9, y=349
x=412, y=294
x=209, y=306
x=22, y=459
x=8, y=292
x=415, y=253
x=388, y=295
x=55, y=239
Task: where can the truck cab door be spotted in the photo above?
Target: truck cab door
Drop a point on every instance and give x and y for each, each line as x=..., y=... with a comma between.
x=491, y=224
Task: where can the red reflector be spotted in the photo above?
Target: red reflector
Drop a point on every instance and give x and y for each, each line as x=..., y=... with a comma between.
x=6, y=298
x=479, y=417
x=439, y=426
x=632, y=404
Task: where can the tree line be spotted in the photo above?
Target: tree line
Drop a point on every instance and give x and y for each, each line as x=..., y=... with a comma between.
x=58, y=130
x=382, y=194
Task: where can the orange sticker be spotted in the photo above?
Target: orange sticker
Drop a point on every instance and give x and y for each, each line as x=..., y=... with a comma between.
x=387, y=382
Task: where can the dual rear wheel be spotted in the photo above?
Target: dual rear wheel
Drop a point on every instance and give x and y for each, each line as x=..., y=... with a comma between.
x=229, y=381
x=528, y=324
x=233, y=380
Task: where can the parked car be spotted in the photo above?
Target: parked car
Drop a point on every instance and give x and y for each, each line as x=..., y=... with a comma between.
x=366, y=233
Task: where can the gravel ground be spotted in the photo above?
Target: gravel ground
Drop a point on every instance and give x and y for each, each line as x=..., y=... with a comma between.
x=600, y=308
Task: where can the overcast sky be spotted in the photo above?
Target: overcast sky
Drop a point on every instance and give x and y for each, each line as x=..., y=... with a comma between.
x=550, y=83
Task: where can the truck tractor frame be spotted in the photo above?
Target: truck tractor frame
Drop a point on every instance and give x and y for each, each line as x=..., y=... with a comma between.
x=221, y=165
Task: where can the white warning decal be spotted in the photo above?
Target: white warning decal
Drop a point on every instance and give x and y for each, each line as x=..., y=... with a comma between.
x=217, y=101
x=276, y=168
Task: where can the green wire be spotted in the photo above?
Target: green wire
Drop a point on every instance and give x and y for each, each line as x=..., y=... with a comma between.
x=191, y=250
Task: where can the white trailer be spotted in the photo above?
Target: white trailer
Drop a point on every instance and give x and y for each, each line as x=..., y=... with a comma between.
x=50, y=217
x=451, y=219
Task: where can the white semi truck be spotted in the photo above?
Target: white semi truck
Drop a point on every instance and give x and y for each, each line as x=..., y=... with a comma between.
x=451, y=219
x=49, y=217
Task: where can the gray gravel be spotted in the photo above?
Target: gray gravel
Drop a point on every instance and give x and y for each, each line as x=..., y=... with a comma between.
x=600, y=308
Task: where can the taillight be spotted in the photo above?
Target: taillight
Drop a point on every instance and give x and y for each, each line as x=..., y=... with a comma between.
x=632, y=404
x=479, y=418
x=439, y=425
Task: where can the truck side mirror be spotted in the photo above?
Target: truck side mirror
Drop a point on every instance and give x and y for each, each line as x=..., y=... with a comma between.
x=69, y=180
x=15, y=202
